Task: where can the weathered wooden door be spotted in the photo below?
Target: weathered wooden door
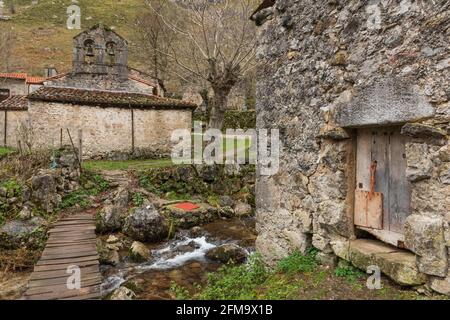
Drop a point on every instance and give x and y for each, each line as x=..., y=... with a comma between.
x=385, y=149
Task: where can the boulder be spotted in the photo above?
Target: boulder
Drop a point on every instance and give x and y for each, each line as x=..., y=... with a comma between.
x=123, y=293
x=15, y=234
x=110, y=219
x=139, y=252
x=242, y=209
x=441, y=285
x=227, y=253
x=146, y=224
x=424, y=235
x=44, y=186
x=226, y=201
x=25, y=213
x=188, y=219
x=121, y=198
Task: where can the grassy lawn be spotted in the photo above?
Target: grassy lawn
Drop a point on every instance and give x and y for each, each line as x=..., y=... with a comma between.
x=108, y=165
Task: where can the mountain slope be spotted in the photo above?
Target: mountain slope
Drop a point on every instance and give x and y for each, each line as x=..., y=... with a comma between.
x=41, y=37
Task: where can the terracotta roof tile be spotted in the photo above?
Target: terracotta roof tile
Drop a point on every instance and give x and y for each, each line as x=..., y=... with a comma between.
x=107, y=98
x=14, y=103
x=36, y=80
x=21, y=76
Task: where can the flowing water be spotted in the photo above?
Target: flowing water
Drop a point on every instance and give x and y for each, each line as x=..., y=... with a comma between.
x=180, y=260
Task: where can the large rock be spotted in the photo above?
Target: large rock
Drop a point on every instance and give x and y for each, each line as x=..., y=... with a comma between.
x=425, y=236
x=441, y=285
x=397, y=264
x=227, y=253
x=188, y=219
x=44, y=186
x=146, y=224
x=122, y=293
x=139, y=252
x=121, y=198
x=110, y=219
x=243, y=209
x=15, y=234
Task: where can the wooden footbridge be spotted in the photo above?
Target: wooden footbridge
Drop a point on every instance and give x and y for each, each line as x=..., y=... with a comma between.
x=70, y=251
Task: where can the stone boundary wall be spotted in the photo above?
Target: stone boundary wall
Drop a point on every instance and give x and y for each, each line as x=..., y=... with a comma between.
x=328, y=67
x=15, y=120
x=106, y=132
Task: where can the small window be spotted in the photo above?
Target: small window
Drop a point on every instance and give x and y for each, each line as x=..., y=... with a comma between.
x=111, y=48
x=89, y=48
x=111, y=51
x=4, y=94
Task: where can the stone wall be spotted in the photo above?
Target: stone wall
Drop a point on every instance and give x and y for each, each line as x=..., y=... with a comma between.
x=107, y=132
x=332, y=66
x=15, y=86
x=15, y=121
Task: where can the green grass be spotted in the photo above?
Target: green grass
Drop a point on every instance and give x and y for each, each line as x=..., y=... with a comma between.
x=349, y=272
x=109, y=165
x=5, y=151
x=299, y=263
x=295, y=277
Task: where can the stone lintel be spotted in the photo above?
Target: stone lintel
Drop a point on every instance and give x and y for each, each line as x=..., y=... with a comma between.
x=388, y=102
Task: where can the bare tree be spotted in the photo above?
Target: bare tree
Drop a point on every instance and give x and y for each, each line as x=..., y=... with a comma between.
x=215, y=43
x=154, y=38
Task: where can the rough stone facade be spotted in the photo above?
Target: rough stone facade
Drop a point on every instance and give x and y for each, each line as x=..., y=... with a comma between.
x=16, y=119
x=329, y=67
x=107, y=132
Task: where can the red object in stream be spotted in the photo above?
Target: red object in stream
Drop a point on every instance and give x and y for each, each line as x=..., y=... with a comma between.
x=187, y=206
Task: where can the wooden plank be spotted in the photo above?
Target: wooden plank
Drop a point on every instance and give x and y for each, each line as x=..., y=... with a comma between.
x=399, y=186
x=64, y=266
x=360, y=208
x=71, y=249
x=363, y=159
x=39, y=275
x=62, y=280
x=67, y=244
x=387, y=236
x=74, y=228
x=380, y=154
x=66, y=293
x=69, y=255
x=67, y=260
x=71, y=223
x=59, y=287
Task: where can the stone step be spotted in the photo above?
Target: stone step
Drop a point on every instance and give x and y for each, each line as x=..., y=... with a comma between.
x=397, y=264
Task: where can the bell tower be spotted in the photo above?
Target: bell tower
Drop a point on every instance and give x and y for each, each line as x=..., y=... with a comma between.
x=100, y=51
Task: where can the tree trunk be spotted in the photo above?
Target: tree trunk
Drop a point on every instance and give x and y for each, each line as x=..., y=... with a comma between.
x=218, y=108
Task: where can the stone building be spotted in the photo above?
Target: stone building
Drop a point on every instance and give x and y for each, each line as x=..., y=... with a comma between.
x=115, y=111
x=360, y=93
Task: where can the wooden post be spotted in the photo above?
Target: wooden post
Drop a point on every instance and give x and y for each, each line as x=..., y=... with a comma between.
x=61, y=138
x=6, y=129
x=73, y=148
x=132, y=131
x=80, y=145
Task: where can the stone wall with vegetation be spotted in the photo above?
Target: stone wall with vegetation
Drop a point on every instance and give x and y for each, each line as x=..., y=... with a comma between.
x=328, y=66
